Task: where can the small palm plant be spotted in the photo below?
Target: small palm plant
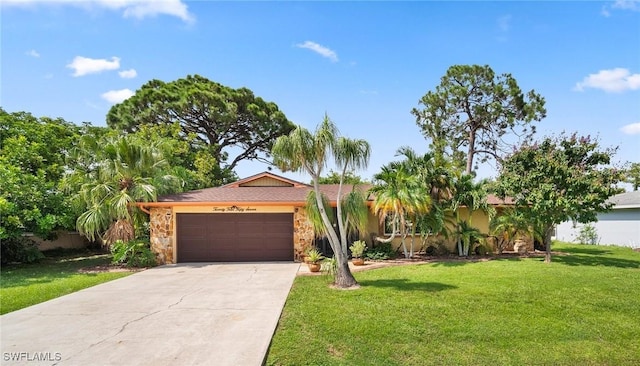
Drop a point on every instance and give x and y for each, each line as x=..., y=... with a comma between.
x=314, y=257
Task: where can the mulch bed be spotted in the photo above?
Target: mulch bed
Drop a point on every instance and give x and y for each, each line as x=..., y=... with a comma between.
x=109, y=268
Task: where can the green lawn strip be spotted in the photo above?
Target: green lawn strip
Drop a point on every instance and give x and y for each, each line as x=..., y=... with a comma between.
x=28, y=284
x=582, y=308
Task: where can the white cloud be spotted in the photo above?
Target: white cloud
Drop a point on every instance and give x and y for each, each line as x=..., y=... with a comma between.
x=128, y=74
x=117, y=96
x=139, y=9
x=319, y=49
x=627, y=5
x=632, y=5
x=611, y=81
x=84, y=65
x=32, y=53
x=631, y=129
x=504, y=23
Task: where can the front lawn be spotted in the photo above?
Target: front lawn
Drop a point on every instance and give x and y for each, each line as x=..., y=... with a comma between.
x=584, y=308
x=24, y=285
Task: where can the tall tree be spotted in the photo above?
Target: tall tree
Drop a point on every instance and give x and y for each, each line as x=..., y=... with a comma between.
x=559, y=179
x=32, y=162
x=308, y=152
x=474, y=112
x=122, y=170
x=220, y=119
x=632, y=175
x=334, y=178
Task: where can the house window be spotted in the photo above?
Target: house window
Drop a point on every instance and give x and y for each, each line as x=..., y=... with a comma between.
x=388, y=226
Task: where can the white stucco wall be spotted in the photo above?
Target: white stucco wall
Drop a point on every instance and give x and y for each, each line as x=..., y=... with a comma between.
x=618, y=227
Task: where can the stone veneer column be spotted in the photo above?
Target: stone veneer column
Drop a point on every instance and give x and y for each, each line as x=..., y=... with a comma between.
x=161, y=234
x=302, y=233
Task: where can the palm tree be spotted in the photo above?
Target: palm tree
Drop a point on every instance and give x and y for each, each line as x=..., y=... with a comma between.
x=507, y=226
x=474, y=197
x=436, y=179
x=398, y=195
x=308, y=152
x=118, y=172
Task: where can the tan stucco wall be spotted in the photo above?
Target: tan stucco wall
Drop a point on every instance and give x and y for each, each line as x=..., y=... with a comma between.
x=479, y=220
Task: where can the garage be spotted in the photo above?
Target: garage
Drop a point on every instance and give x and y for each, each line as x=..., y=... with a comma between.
x=234, y=237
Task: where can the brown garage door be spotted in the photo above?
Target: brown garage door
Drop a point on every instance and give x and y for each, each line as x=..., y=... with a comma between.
x=234, y=237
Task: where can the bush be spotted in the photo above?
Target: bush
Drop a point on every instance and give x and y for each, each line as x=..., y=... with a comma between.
x=329, y=267
x=21, y=249
x=381, y=252
x=438, y=248
x=135, y=253
x=588, y=235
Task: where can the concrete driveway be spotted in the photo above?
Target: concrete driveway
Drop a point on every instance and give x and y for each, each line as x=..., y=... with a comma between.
x=187, y=314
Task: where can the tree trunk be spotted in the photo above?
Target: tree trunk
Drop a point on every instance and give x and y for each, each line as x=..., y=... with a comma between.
x=547, y=242
x=344, y=278
x=472, y=142
x=404, y=245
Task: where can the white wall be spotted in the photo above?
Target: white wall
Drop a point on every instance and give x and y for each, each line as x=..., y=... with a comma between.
x=618, y=227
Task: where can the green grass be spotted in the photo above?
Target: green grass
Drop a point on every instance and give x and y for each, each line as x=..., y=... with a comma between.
x=24, y=285
x=584, y=308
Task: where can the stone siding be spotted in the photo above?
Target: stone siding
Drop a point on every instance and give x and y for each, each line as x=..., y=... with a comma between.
x=161, y=234
x=303, y=234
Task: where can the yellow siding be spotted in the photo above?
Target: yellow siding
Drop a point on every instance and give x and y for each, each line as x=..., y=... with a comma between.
x=266, y=182
x=479, y=220
x=233, y=209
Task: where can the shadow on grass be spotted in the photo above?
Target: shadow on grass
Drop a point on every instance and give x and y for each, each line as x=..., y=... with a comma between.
x=48, y=270
x=461, y=261
x=589, y=260
x=591, y=251
x=404, y=284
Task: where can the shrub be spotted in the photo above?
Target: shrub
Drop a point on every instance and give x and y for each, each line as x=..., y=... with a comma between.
x=438, y=248
x=135, y=253
x=357, y=248
x=20, y=249
x=381, y=252
x=588, y=235
x=329, y=267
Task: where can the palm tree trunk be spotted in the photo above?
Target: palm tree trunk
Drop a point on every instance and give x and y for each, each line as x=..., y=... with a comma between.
x=344, y=278
x=341, y=224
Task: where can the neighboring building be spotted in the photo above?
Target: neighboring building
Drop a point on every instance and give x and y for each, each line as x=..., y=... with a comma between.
x=259, y=218
x=620, y=226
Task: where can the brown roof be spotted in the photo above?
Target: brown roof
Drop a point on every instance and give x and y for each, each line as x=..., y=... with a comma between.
x=291, y=193
x=497, y=201
x=294, y=193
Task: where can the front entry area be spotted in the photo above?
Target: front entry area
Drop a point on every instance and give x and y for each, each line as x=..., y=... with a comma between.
x=234, y=237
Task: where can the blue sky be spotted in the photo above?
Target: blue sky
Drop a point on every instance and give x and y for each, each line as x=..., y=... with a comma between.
x=366, y=64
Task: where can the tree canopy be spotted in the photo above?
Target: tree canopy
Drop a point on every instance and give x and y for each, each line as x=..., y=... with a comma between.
x=32, y=162
x=334, y=178
x=559, y=179
x=473, y=112
x=632, y=175
x=120, y=171
x=215, y=119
